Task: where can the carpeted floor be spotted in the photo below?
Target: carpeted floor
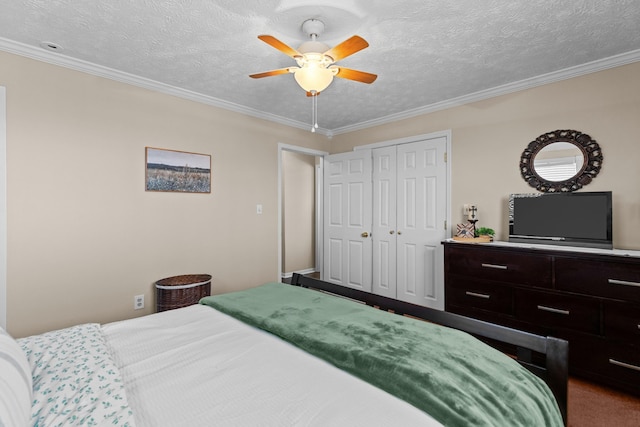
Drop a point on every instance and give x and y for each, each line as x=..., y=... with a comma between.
x=591, y=405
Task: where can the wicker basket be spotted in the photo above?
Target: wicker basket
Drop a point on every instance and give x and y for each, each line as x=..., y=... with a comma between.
x=181, y=291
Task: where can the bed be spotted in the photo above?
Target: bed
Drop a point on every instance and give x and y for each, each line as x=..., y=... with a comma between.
x=282, y=355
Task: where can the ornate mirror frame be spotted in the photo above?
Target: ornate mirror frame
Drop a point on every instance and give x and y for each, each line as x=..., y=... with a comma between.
x=590, y=167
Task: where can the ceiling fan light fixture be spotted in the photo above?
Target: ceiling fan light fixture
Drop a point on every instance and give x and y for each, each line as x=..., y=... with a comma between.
x=313, y=77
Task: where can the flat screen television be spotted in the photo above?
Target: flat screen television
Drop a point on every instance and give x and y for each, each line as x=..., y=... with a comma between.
x=571, y=219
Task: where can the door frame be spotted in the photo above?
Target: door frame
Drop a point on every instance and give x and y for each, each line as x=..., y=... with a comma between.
x=319, y=225
x=415, y=138
x=3, y=208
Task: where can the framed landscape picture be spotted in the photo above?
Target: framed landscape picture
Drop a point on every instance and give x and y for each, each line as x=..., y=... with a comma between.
x=177, y=171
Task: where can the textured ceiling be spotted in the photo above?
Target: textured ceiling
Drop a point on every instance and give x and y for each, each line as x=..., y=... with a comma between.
x=425, y=52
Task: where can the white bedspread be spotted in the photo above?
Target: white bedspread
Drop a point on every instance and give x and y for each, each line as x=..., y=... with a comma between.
x=198, y=367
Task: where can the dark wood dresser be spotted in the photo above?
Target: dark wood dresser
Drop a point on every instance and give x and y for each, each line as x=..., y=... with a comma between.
x=589, y=297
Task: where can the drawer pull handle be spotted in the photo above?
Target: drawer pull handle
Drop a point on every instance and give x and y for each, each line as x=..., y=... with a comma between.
x=623, y=282
x=496, y=266
x=553, y=310
x=624, y=365
x=483, y=296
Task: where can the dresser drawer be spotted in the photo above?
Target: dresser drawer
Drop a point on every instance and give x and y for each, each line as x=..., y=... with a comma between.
x=617, y=365
x=622, y=322
x=499, y=265
x=558, y=311
x=623, y=362
x=610, y=279
x=478, y=295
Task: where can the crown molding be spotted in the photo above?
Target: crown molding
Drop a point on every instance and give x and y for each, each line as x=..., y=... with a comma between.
x=556, y=76
x=122, y=77
x=109, y=73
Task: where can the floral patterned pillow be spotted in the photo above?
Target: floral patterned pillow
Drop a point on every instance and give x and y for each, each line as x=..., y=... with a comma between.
x=75, y=381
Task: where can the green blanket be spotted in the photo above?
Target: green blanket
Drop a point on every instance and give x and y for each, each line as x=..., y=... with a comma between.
x=449, y=374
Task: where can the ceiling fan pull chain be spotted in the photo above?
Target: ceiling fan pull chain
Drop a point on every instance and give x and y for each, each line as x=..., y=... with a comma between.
x=315, y=104
x=314, y=110
x=313, y=113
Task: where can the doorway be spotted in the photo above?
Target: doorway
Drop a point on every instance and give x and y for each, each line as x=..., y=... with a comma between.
x=299, y=210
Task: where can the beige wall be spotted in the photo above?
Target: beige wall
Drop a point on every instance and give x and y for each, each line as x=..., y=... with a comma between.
x=488, y=138
x=298, y=199
x=83, y=235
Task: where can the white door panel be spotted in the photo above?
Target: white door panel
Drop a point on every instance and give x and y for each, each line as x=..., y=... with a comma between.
x=357, y=265
x=384, y=222
x=334, y=271
x=430, y=271
x=421, y=227
x=347, y=251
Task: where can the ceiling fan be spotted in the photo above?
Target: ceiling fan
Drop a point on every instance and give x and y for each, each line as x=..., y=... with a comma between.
x=316, y=69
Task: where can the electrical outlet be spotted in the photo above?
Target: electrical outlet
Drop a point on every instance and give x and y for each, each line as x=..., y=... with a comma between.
x=138, y=302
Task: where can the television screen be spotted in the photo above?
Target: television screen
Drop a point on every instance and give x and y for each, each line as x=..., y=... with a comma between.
x=578, y=219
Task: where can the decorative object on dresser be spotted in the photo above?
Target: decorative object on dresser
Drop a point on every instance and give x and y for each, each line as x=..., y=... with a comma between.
x=561, y=161
x=485, y=231
x=467, y=232
x=469, y=239
x=587, y=296
x=181, y=291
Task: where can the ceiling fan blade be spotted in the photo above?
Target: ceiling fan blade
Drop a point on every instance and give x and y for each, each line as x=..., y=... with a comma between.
x=282, y=47
x=346, y=48
x=271, y=73
x=359, y=76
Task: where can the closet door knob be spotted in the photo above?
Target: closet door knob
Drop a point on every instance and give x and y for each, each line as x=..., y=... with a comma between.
x=399, y=232
x=365, y=234
x=391, y=232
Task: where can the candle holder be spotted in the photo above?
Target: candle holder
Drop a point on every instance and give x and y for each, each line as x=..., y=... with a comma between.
x=473, y=217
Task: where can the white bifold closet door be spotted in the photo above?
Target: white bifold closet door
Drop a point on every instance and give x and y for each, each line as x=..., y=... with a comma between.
x=409, y=221
x=401, y=191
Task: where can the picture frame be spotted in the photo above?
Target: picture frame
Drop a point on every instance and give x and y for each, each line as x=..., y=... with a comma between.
x=177, y=171
x=466, y=230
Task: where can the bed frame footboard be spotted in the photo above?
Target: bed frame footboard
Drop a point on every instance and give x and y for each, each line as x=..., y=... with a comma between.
x=546, y=357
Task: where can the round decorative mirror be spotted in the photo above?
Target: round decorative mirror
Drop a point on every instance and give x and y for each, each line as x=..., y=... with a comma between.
x=563, y=160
